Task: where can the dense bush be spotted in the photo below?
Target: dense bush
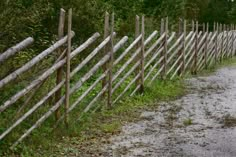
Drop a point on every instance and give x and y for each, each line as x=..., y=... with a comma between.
x=22, y=18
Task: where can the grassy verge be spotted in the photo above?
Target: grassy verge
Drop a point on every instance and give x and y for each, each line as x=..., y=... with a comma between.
x=85, y=136
x=228, y=62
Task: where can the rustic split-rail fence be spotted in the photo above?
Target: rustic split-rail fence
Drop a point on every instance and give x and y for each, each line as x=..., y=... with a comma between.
x=162, y=55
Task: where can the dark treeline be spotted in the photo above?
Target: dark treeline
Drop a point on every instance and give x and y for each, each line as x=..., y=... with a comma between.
x=22, y=18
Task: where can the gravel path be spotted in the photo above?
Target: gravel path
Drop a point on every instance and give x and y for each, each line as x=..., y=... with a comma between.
x=201, y=124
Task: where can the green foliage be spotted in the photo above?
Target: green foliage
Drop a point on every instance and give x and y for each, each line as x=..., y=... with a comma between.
x=172, y=8
x=23, y=18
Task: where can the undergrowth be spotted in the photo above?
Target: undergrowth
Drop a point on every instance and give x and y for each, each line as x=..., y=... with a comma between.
x=94, y=126
x=85, y=135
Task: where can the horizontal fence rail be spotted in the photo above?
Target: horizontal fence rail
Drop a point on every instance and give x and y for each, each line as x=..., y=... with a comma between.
x=110, y=70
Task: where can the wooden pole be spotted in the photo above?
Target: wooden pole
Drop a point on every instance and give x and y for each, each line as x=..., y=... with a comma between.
x=216, y=43
x=232, y=30
x=60, y=71
x=219, y=42
x=106, y=48
x=137, y=33
x=222, y=41
x=227, y=41
x=230, y=41
x=67, y=101
x=61, y=25
x=142, y=56
x=46, y=74
x=183, y=49
x=13, y=50
x=137, y=26
x=34, y=61
x=196, y=51
x=204, y=27
x=109, y=103
x=162, y=26
x=180, y=27
x=179, y=34
x=225, y=34
x=164, y=53
x=233, y=39
x=206, y=46
x=214, y=27
x=193, y=24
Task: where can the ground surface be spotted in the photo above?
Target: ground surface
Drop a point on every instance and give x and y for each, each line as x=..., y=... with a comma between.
x=202, y=123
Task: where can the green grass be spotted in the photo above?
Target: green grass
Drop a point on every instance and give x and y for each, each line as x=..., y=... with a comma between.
x=188, y=122
x=95, y=128
x=223, y=63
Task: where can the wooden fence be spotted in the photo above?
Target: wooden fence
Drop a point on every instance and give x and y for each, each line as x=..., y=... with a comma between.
x=123, y=68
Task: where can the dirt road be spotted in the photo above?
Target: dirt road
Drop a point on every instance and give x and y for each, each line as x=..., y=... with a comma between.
x=201, y=124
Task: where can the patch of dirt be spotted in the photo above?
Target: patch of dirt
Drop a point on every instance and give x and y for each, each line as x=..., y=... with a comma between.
x=202, y=123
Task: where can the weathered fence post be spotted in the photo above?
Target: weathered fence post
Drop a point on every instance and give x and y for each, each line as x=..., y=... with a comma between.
x=162, y=31
x=180, y=34
x=164, y=52
x=183, y=48
x=193, y=25
x=206, y=46
x=137, y=27
x=227, y=41
x=67, y=100
x=232, y=30
x=180, y=27
x=60, y=71
x=142, y=57
x=216, y=42
x=137, y=33
x=225, y=38
x=224, y=34
x=222, y=42
x=204, y=27
x=162, y=26
x=196, y=51
x=109, y=102
x=214, y=27
x=166, y=45
x=106, y=48
x=232, y=41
